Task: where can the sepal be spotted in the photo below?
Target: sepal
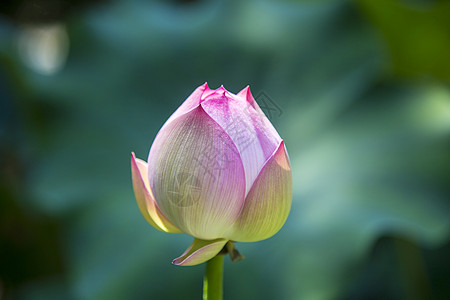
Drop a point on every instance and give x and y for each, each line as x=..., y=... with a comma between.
x=199, y=252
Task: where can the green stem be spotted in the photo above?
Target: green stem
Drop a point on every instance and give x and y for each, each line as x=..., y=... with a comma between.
x=212, y=283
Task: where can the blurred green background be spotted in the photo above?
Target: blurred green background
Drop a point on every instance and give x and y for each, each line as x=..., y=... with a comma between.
x=363, y=94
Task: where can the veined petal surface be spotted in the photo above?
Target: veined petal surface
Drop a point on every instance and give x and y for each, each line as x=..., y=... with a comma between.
x=197, y=180
x=267, y=134
x=144, y=197
x=247, y=128
x=268, y=203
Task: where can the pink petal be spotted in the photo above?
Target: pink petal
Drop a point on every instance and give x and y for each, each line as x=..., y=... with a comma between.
x=144, y=197
x=199, y=252
x=268, y=203
x=197, y=181
x=246, y=125
x=191, y=102
x=267, y=134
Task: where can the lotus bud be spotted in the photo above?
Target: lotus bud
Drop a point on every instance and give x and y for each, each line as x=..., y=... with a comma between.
x=217, y=171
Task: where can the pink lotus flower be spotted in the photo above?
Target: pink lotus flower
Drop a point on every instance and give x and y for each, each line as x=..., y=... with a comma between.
x=218, y=171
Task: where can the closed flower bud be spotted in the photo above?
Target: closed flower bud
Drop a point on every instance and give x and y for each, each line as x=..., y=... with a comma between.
x=218, y=171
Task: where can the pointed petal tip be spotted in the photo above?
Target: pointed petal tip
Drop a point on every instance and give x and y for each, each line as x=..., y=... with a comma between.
x=221, y=90
x=133, y=158
x=180, y=261
x=134, y=165
x=281, y=156
x=247, y=94
x=244, y=91
x=204, y=89
x=208, y=92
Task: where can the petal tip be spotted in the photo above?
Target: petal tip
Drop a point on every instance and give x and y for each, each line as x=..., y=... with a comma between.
x=221, y=90
x=247, y=95
x=244, y=91
x=134, y=166
x=281, y=156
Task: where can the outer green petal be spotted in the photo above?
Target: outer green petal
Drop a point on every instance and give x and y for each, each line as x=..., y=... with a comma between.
x=144, y=197
x=199, y=252
x=268, y=202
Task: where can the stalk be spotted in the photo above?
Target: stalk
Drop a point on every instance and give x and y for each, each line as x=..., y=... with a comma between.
x=212, y=282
